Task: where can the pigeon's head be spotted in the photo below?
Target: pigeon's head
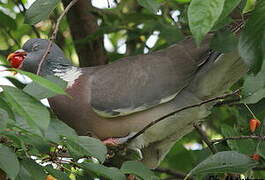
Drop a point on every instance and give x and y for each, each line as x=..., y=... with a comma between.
x=29, y=57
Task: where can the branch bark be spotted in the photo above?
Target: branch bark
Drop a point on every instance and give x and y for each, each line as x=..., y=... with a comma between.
x=205, y=138
x=82, y=24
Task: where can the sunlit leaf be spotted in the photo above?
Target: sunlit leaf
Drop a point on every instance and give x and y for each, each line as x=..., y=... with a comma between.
x=48, y=84
x=28, y=107
x=202, y=16
x=40, y=10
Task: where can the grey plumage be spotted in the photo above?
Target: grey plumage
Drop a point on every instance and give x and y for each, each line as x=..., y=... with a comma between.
x=117, y=99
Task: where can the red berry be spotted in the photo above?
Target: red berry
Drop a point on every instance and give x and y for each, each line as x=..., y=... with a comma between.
x=16, y=61
x=253, y=124
x=255, y=157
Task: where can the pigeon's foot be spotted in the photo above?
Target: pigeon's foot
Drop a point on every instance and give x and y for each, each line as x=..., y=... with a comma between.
x=117, y=141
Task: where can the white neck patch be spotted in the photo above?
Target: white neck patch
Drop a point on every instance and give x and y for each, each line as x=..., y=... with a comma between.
x=69, y=75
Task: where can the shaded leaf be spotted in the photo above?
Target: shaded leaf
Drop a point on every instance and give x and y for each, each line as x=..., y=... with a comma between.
x=15, y=82
x=229, y=6
x=254, y=87
x=152, y=5
x=8, y=162
x=57, y=129
x=7, y=21
x=251, y=42
x=35, y=170
x=202, y=16
x=261, y=143
x=103, y=171
x=224, y=42
x=56, y=173
x=40, y=10
x=23, y=174
x=245, y=146
x=26, y=106
x=139, y=169
x=86, y=146
x=5, y=106
x=226, y=161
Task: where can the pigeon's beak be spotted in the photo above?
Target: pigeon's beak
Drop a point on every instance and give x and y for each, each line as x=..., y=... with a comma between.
x=16, y=58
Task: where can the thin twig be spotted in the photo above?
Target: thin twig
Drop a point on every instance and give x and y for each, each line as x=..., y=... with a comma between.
x=170, y=172
x=181, y=109
x=205, y=138
x=54, y=34
x=238, y=138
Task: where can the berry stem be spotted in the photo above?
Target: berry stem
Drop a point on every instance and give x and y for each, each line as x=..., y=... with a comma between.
x=251, y=112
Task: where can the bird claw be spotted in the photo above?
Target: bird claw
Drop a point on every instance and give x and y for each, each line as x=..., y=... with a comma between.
x=111, y=142
x=117, y=141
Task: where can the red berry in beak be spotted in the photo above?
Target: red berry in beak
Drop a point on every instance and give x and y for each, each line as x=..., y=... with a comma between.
x=16, y=59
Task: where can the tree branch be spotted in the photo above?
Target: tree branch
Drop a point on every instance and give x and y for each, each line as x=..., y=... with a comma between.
x=83, y=24
x=238, y=138
x=205, y=138
x=54, y=34
x=182, y=109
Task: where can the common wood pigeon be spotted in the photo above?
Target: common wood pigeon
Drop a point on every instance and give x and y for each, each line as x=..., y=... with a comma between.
x=119, y=99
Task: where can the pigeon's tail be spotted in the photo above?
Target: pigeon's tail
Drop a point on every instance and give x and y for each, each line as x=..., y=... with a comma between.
x=217, y=75
x=214, y=77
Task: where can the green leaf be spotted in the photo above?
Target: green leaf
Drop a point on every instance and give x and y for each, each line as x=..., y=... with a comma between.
x=41, y=144
x=245, y=146
x=86, y=146
x=8, y=162
x=202, y=16
x=40, y=10
x=224, y=42
x=5, y=106
x=139, y=169
x=58, y=129
x=32, y=110
x=229, y=6
x=261, y=143
x=44, y=82
x=40, y=92
x=151, y=5
x=222, y=162
x=35, y=170
x=254, y=87
x=252, y=40
x=250, y=6
x=23, y=174
x=56, y=173
x=15, y=82
x=7, y=21
x=103, y=171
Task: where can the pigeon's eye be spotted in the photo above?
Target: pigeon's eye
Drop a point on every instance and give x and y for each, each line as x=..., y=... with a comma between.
x=35, y=47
